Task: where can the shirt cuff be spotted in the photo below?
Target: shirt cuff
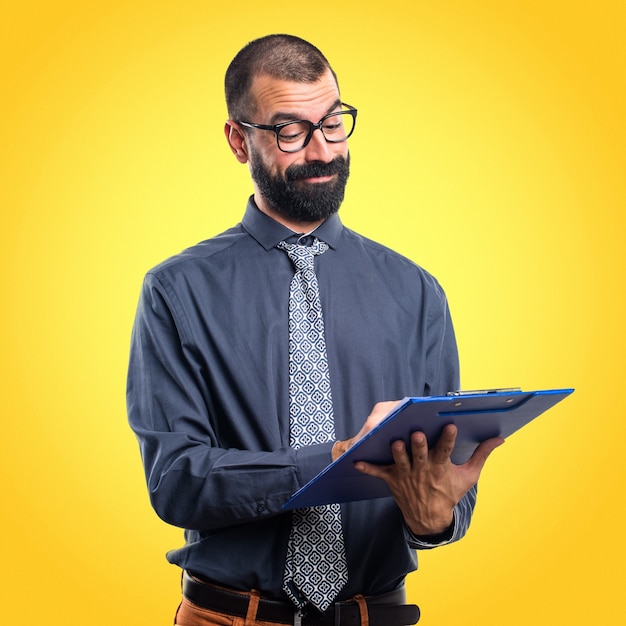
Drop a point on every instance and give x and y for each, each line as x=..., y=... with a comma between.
x=426, y=542
x=311, y=460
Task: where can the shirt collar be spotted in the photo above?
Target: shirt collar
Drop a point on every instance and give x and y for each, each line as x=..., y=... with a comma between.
x=268, y=232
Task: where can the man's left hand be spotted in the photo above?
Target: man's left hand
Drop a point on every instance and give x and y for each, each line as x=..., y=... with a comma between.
x=425, y=484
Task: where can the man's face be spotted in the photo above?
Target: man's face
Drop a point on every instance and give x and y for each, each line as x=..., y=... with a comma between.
x=306, y=186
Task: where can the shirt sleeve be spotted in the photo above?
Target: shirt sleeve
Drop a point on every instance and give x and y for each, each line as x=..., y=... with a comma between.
x=443, y=376
x=442, y=358
x=192, y=481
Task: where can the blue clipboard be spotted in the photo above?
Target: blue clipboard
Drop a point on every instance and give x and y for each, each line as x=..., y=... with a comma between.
x=477, y=415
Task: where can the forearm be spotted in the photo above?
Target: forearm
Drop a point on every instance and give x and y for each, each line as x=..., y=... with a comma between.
x=206, y=488
x=214, y=454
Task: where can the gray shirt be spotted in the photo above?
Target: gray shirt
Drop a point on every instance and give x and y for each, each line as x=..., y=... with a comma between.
x=208, y=395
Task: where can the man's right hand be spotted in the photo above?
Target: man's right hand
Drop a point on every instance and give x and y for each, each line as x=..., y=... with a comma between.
x=379, y=412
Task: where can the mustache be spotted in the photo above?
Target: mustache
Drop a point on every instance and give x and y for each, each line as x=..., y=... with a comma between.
x=314, y=170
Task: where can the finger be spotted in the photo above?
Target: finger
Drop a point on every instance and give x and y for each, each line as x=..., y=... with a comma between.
x=419, y=448
x=378, y=471
x=445, y=444
x=401, y=456
x=482, y=452
x=380, y=411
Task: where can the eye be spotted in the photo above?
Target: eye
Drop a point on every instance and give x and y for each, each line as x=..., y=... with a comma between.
x=290, y=133
x=333, y=124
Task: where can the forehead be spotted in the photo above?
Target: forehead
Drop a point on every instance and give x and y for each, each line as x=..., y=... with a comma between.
x=276, y=99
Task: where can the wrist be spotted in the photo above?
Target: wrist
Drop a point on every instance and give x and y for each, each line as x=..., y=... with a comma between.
x=339, y=448
x=435, y=538
x=434, y=528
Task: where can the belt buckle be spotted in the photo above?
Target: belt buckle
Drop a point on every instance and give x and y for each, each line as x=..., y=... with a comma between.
x=300, y=614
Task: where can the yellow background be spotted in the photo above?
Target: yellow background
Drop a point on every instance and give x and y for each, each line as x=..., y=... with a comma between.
x=490, y=148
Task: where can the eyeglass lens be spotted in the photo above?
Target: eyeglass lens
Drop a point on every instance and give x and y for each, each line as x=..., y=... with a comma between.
x=335, y=127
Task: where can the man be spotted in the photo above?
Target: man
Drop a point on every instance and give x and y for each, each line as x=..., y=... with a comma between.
x=236, y=407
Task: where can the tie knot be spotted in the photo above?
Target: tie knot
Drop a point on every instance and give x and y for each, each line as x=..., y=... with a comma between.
x=302, y=256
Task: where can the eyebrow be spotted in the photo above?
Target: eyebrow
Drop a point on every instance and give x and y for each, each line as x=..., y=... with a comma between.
x=282, y=116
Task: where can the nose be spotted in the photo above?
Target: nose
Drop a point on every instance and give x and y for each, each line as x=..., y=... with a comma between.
x=318, y=149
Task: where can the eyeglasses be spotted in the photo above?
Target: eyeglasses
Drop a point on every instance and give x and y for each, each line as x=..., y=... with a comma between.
x=294, y=136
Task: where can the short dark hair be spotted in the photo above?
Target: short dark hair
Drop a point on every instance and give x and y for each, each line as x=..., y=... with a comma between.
x=284, y=57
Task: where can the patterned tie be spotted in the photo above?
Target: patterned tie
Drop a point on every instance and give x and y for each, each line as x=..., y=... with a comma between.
x=315, y=566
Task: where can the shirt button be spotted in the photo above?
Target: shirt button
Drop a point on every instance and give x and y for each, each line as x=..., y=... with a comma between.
x=260, y=508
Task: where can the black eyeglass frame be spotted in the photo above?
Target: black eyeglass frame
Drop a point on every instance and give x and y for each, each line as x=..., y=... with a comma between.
x=276, y=128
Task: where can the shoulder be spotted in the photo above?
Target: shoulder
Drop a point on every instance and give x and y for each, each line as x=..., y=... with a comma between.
x=199, y=256
x=393, y=266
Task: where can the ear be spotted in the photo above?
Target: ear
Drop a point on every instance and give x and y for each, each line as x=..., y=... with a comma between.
x=237, y=141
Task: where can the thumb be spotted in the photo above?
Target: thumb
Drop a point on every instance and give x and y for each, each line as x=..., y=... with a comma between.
x=482, y=452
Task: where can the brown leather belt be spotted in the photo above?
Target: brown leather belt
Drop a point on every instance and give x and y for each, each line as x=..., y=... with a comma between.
x=214, y=598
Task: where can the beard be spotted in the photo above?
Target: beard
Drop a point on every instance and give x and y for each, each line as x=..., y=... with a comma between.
x=298, y=201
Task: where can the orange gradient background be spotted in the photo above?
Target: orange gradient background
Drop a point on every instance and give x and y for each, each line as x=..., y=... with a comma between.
x=490, y=148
